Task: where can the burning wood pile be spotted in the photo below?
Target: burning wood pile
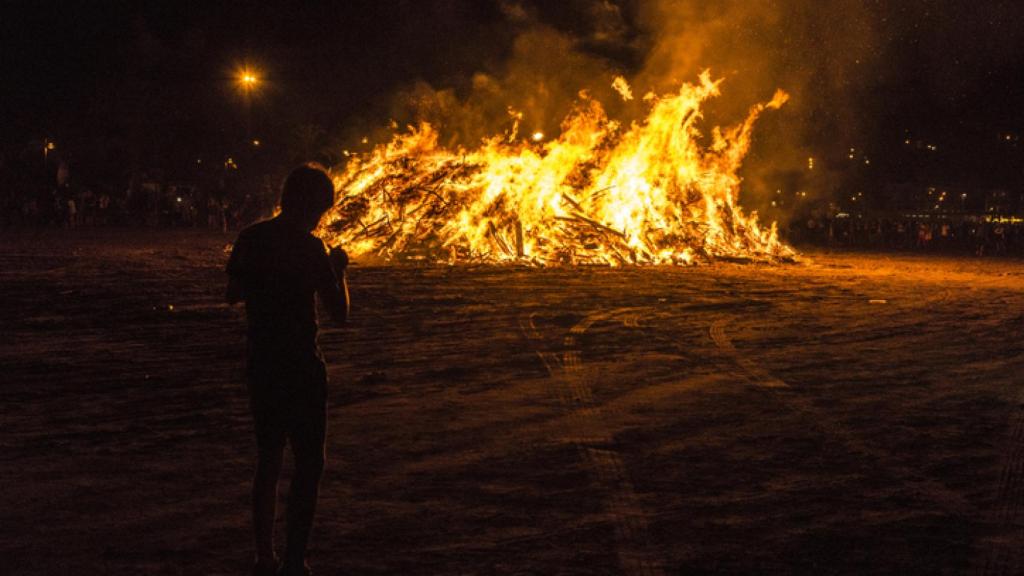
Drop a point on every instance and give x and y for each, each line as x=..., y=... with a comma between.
x=597, y=194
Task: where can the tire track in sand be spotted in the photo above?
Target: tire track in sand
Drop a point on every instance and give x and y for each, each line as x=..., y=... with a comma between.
x=934, y=491
x=587, y=432
x=1004, y=553
x=757, y=375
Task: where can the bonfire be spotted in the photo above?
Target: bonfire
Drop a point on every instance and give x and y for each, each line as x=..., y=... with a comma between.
x=655, y=192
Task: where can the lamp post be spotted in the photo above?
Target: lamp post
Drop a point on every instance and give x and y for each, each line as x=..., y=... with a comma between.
x=248, y=81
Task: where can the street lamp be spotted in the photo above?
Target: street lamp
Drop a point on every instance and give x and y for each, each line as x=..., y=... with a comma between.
x=248, y=79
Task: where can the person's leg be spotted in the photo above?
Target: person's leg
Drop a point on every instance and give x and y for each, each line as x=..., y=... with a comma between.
x=264, y=502
x=307, y=441
x=302, y=497
x=271, y=437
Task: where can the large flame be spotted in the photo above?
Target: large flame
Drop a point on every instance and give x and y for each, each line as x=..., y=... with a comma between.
x=597, y=193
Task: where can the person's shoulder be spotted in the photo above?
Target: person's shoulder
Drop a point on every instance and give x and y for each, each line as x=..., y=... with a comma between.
x=261, y=227
x=248, y=232
x=315, y=243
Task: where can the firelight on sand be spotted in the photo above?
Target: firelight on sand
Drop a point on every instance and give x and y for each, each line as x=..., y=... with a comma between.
x=598, y=193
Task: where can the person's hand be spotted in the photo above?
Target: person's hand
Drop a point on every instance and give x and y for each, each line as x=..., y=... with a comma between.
x=339, y=260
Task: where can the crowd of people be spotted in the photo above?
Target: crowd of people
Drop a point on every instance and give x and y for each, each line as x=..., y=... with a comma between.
x=141, y=204
x=221, y=206
x=980, y=235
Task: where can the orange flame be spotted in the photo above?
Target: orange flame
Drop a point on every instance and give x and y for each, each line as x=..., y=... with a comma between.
x=596, y=194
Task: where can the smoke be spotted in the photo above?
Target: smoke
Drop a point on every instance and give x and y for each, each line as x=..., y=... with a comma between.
x=826, y=57
x=552, y=57
x=805, y=46
x=540, y=80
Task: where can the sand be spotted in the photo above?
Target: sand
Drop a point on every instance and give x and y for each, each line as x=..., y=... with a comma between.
x=851, y=414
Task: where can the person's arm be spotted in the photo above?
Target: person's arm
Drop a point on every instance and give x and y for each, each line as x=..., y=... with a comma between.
x=235, y=292
x=332, y=285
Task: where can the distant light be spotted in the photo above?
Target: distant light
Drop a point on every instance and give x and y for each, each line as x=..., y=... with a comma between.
x=255, y=142
x=179, y=198
x=365, y=140
x=247, y=78
x=50, y=145
x=810, y=163
x=538, y=136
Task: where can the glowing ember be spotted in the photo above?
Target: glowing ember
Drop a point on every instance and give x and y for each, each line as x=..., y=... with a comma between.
x=596, y=194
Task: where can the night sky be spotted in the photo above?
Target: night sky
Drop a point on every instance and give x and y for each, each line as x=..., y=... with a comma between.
x=151, y=84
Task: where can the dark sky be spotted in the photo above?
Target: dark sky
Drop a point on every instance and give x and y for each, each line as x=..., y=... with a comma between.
x=95, y=75
x=333, y=61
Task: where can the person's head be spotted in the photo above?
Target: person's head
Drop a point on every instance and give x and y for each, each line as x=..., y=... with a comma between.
x=308, y=192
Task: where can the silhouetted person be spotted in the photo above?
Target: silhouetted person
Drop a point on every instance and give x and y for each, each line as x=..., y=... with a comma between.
x=275, y=267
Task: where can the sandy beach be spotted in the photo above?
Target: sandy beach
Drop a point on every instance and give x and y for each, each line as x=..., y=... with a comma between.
x=848, y=414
